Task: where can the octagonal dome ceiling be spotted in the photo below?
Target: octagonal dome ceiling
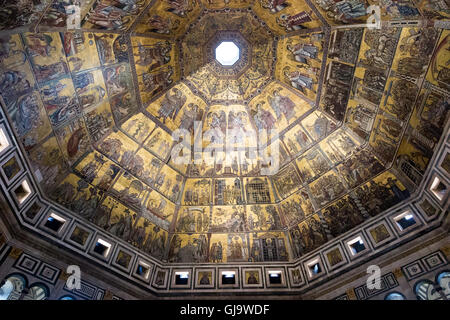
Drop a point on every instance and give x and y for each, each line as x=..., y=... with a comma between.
x=346, y=109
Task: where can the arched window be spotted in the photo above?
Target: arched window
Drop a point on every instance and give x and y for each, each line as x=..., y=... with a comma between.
x=425, y=290
x=443, y=279
x=67, y=298
x=12, y=289
x=395, y=296
x=37, y=291
x=6, y=290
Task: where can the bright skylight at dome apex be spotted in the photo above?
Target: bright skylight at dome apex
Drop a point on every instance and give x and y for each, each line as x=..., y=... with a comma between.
x=227, y=53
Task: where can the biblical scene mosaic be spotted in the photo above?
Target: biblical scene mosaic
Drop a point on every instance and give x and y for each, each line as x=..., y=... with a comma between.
x=353, y=115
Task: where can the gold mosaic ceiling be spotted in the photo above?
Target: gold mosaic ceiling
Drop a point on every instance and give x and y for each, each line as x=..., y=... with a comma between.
x=95, y=110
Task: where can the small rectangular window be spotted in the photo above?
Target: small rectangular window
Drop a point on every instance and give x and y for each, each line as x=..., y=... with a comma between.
x=356, y=245
x=314, y=268
x=4, y=143
x=438, y=188
x=102, y=247
x=228, y=277
x=181, y=278
x=405, y=220
x=22, y=192
x=143, y=270
x=54, y=222
x=275, y=277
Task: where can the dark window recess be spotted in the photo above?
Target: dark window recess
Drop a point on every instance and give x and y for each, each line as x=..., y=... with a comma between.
x=315, y=268
x=53, y=224
x=440, y=189
x=357, y=247
x=181, y=279
x=275, y=278
x=100, y=249
x=21, y=193
x=141, y=270
x=406, y=222
x=228, y=278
